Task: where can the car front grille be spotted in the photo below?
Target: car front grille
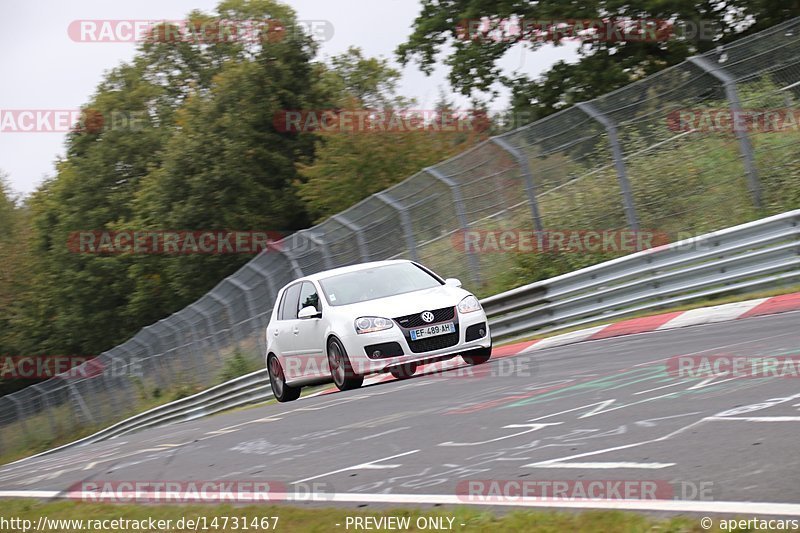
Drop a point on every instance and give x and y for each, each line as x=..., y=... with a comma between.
x=415, y=320
x=433, y=343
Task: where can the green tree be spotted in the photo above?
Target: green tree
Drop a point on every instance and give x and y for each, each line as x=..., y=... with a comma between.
x=603, y=64
x=349, y=165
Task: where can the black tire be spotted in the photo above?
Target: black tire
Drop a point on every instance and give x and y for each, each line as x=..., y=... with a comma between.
x=341, y=370
x=403, y=371
x=277, y=380
x=478, y=356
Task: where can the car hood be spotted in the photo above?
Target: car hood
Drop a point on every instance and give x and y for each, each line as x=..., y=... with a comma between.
x=407, y=303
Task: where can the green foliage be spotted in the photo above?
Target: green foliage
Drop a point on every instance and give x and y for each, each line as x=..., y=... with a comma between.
x=603, y=64
x=351, y=165
x=238, y=365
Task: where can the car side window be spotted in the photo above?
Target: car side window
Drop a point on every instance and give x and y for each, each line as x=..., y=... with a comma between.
x=289, y=304
x=309, y=297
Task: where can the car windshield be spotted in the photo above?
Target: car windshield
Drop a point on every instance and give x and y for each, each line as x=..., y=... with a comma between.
x=376, y=282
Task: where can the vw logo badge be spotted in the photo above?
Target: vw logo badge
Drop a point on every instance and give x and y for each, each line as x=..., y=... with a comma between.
x=427, y=316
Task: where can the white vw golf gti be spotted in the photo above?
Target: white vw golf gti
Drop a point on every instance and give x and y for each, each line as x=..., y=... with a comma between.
x=387, y=316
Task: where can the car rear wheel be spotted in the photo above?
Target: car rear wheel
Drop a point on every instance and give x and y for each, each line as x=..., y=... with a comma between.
x=403, y=371
x=341, y=370
x=478, y=356
x=282, y=391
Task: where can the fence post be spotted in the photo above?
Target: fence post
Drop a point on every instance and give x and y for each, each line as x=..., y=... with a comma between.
x=251, y=304
x=209, y=324
x=323, y=248
x=745, y=147
x=229, y=312
x=455, y=189
x=405, y=221
x=619, y=161
x=153, y=354
x=87, y=415
x=298, y=272
x=357, y=230
x=530, y=185
x=264, y=274
x=20, y=416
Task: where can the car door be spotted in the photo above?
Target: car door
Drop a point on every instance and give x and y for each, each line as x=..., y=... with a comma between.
x=309, y=334
x=283, y=338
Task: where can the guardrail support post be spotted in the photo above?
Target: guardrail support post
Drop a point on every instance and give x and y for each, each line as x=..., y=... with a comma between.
x=357, y=230
x=746, y=148
x=530, y=185
x=619, y=161
x=455, y=189
x=405, y=221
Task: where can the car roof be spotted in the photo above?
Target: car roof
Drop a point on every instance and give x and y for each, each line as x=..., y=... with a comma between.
x=351, y=268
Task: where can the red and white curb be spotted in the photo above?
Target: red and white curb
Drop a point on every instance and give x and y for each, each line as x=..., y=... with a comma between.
x=673, y=320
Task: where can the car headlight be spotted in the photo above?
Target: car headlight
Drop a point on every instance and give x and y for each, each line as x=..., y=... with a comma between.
x=368, y=324
x=469, y=304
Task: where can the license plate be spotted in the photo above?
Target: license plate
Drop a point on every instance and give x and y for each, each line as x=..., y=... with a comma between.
x=432, y=331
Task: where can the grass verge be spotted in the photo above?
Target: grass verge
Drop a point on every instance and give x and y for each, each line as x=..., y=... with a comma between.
x=297, y=519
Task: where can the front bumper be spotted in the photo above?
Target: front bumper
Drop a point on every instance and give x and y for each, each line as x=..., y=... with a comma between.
x=388, y=341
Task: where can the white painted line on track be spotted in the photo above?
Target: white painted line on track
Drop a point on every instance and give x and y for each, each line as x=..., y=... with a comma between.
x=384, y=433
x=650, y=466
x=683, y=506
x=363, y=466
x=757, y=418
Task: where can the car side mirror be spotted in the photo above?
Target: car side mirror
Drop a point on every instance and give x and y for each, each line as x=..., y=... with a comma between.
x=309, y=312
x=453, y=282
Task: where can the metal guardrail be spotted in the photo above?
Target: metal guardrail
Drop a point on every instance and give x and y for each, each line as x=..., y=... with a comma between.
x=738, y=259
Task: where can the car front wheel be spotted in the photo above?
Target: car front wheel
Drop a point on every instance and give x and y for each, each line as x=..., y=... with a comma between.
x=403, y=371
x=477, y=356
x=282, y=391
x=341, y=370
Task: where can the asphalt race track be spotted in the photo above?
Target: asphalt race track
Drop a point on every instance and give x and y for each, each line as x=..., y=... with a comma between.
x=599, y=410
